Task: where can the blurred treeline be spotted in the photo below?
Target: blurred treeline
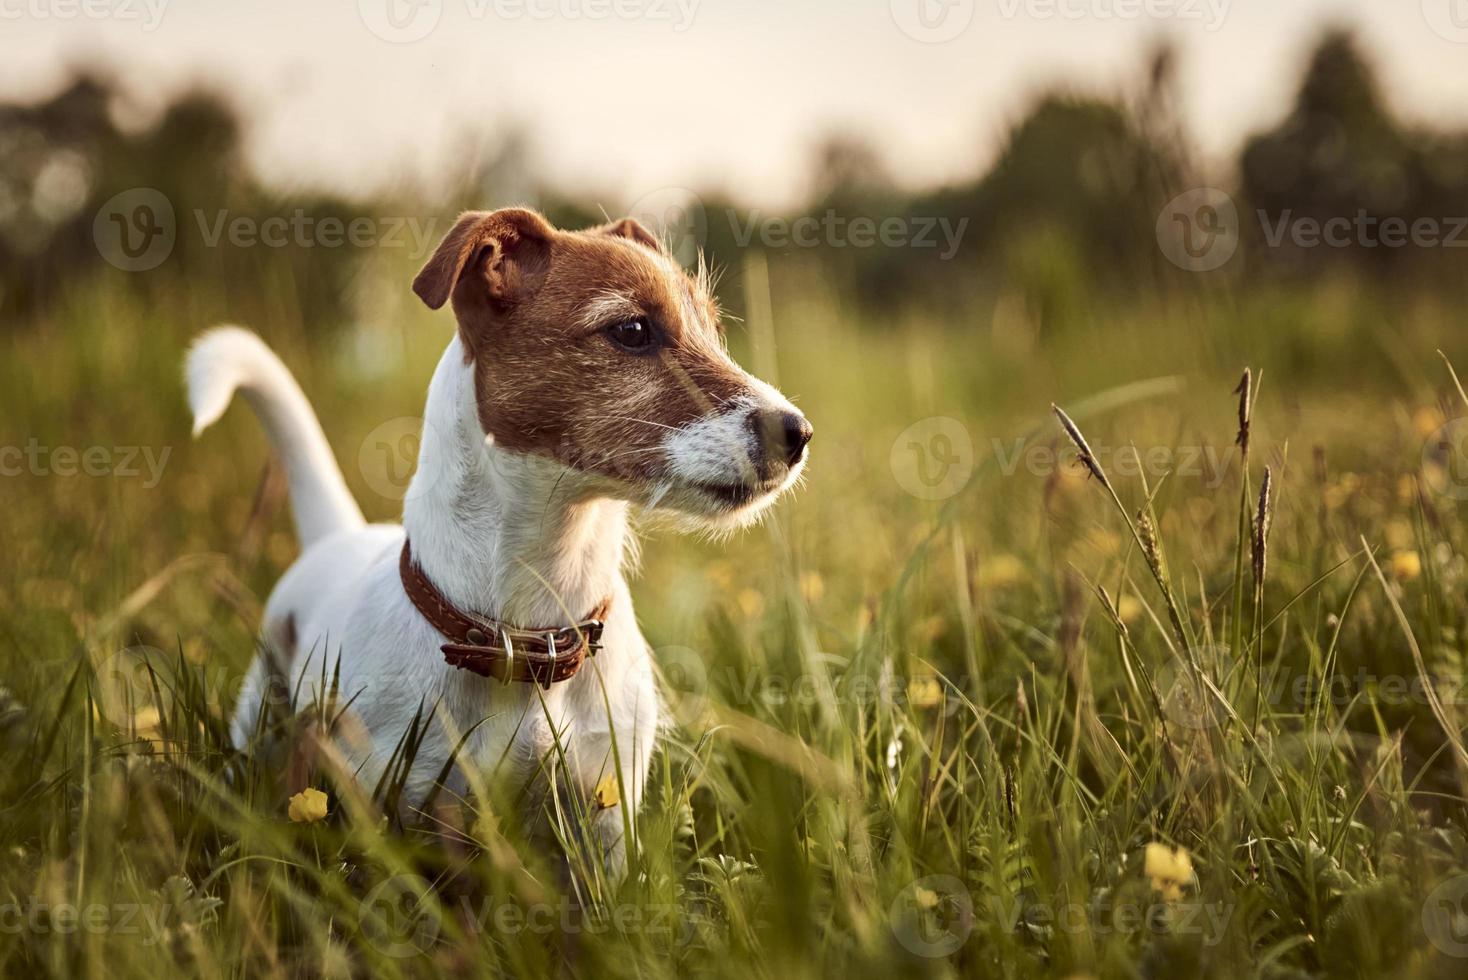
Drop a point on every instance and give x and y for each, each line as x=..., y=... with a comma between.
x=1063, y=219
x=62, y=159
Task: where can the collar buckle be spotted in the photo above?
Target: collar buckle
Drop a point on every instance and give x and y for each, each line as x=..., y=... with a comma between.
x=550, y=667
x=509, y=656
x=592, y=630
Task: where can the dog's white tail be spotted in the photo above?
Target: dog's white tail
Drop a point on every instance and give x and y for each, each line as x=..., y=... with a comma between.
x=228, y=358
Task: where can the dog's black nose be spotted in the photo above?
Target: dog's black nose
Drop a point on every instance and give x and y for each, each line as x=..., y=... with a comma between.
x=782, y=435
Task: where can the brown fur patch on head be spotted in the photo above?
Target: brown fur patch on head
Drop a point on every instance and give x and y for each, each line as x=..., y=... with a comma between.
x=533, y=306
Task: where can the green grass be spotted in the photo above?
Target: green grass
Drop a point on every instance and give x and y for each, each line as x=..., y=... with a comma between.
x=911, y=737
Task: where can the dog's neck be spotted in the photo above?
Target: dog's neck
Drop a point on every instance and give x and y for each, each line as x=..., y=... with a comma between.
x=514, y=537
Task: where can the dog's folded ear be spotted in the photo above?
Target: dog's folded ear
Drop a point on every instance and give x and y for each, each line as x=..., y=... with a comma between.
x=505, y=252
x=632, y=229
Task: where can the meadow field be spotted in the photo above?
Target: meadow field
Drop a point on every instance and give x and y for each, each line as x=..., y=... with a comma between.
x=970, y=703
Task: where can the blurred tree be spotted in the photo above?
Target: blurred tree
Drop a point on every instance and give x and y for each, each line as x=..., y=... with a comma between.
x=64, y=158
x=848, y=171
x=1341, y=155
x=1159, y=115
x=1068, y=209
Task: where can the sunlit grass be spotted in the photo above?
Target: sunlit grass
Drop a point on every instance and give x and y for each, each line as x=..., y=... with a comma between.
x=912, y=736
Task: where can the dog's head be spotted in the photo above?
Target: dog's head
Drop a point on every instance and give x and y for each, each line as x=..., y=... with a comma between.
x=596, y=349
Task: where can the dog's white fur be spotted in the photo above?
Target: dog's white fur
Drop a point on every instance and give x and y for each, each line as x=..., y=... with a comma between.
x=515, y=537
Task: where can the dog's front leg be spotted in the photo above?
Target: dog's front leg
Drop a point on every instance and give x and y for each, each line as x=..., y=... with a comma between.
x=614, y=782
x=613, y=824
x=569, y=811
x=605, y=812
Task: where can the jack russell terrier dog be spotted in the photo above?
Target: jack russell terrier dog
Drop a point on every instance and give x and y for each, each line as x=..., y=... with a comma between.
x=588, y=374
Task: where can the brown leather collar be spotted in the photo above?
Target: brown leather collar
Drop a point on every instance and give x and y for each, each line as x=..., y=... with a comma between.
x=492, y=649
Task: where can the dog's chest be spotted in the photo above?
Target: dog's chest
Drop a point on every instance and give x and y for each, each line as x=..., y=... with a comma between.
x=527, y=732
x=391, y=664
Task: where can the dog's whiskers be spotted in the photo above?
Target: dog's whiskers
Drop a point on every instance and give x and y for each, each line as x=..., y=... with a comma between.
x=608, y=457
x=629, y=418
x=658, y=493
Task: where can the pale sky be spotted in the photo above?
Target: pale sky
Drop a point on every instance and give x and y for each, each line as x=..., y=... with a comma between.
x=621, y=98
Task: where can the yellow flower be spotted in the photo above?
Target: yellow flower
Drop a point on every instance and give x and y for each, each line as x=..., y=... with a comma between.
x=929, y=628
x=924, y=692
x=925, y=898
x=147, y=721
x=1339, y=492
x=998, y=571
x=607, y=794
x=307, y=806
x=812, y=586
x=1128, y=609
x=1169, y=870
x=1399, y=533
x=1104, y=541
x=1406, y=565
x=1425, y=421
x=720, y=574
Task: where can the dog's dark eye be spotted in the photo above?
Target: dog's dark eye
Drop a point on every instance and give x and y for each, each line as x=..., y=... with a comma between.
x=633, y=335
